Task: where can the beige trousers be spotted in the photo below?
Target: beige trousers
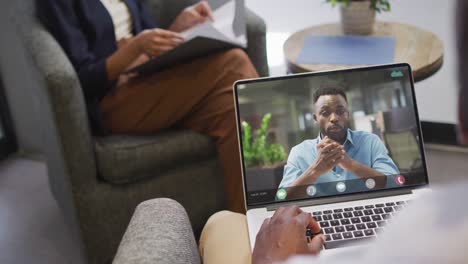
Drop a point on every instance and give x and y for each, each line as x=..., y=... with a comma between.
x=225, y=239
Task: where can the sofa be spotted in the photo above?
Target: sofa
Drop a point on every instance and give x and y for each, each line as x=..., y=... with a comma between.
x=98, y=181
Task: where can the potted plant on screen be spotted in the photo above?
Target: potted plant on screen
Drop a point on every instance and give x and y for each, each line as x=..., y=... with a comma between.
x=264, y=160
x=358, y=16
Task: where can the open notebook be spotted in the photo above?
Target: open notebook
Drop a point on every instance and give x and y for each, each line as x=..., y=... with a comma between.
x=227, y=30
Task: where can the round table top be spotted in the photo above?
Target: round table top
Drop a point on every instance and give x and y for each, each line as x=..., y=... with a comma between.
x=419, y=48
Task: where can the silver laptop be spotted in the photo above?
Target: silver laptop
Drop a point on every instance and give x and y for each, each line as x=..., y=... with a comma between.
x=344, y=145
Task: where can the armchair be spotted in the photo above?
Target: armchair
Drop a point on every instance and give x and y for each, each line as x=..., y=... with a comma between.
x=98, y=181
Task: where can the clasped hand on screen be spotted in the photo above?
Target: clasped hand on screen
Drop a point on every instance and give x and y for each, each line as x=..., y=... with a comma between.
x=330, y=154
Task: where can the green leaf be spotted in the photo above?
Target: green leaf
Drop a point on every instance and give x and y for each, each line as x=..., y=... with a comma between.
x=246, y=137
x=387, y=7
x=260, y=152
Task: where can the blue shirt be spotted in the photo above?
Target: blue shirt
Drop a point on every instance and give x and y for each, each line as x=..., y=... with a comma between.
x=363, y=147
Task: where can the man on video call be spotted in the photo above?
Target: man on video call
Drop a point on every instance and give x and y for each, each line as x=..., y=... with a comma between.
x=338, y=153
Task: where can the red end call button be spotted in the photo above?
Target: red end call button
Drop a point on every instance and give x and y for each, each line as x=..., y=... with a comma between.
x=400, y=180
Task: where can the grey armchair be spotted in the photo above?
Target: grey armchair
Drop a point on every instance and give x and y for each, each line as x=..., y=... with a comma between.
x=98, y=182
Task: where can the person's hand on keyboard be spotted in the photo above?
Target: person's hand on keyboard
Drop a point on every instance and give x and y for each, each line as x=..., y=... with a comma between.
x=284, y=235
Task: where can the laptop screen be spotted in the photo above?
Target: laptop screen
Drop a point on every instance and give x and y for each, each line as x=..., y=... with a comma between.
x=317, y=135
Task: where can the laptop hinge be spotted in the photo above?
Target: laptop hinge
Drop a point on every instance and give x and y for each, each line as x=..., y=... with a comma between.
x=346, y=198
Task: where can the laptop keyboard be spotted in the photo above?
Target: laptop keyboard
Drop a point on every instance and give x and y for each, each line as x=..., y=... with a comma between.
x=342, y=227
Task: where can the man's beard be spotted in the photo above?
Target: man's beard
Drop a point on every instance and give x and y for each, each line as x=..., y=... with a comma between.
x=338, y=136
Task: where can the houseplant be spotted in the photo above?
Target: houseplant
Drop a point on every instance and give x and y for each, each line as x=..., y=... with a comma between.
x=264, y=160
x=258, y=151
x=358, y=16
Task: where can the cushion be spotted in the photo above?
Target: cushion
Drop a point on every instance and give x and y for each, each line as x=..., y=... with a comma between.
x=125, y=159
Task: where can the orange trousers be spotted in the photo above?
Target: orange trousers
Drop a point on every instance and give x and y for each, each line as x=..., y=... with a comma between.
x=196, y=95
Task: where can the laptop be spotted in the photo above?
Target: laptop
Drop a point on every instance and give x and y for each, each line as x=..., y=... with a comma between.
x=287, y=126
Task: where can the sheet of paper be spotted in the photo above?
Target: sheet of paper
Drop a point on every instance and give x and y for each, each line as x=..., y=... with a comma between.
x=221, y=28
x=224, y=19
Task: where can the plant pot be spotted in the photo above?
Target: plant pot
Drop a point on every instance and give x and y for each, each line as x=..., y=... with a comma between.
x=264, y=178
x=357, y=18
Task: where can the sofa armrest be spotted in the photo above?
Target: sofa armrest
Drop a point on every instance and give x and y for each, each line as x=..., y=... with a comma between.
x=159, y=232
x=256, y=38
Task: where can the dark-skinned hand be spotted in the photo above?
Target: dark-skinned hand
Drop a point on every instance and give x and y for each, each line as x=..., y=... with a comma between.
x=283, y=235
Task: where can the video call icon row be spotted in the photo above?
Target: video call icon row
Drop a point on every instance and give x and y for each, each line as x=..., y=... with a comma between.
x=311, y=190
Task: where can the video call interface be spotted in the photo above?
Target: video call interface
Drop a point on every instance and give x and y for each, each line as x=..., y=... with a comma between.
x=329, y=134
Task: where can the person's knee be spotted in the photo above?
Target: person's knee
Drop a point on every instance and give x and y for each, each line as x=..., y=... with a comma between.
x=233, y=58
x=224, y=219
x=237, y=54
x=221, y=220
x=225, y=215
x=240, y=62
x=235, y=61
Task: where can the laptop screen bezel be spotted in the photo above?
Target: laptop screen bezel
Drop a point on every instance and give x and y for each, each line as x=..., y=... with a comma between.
x=321, y=73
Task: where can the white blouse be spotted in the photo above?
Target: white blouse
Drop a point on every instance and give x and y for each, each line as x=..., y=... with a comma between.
x=121, y=18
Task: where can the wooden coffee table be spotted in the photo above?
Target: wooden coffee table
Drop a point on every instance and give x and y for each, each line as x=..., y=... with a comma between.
x=421, y=49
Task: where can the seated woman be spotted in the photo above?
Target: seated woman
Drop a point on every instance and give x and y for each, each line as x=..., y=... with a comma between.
x=103, y=38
